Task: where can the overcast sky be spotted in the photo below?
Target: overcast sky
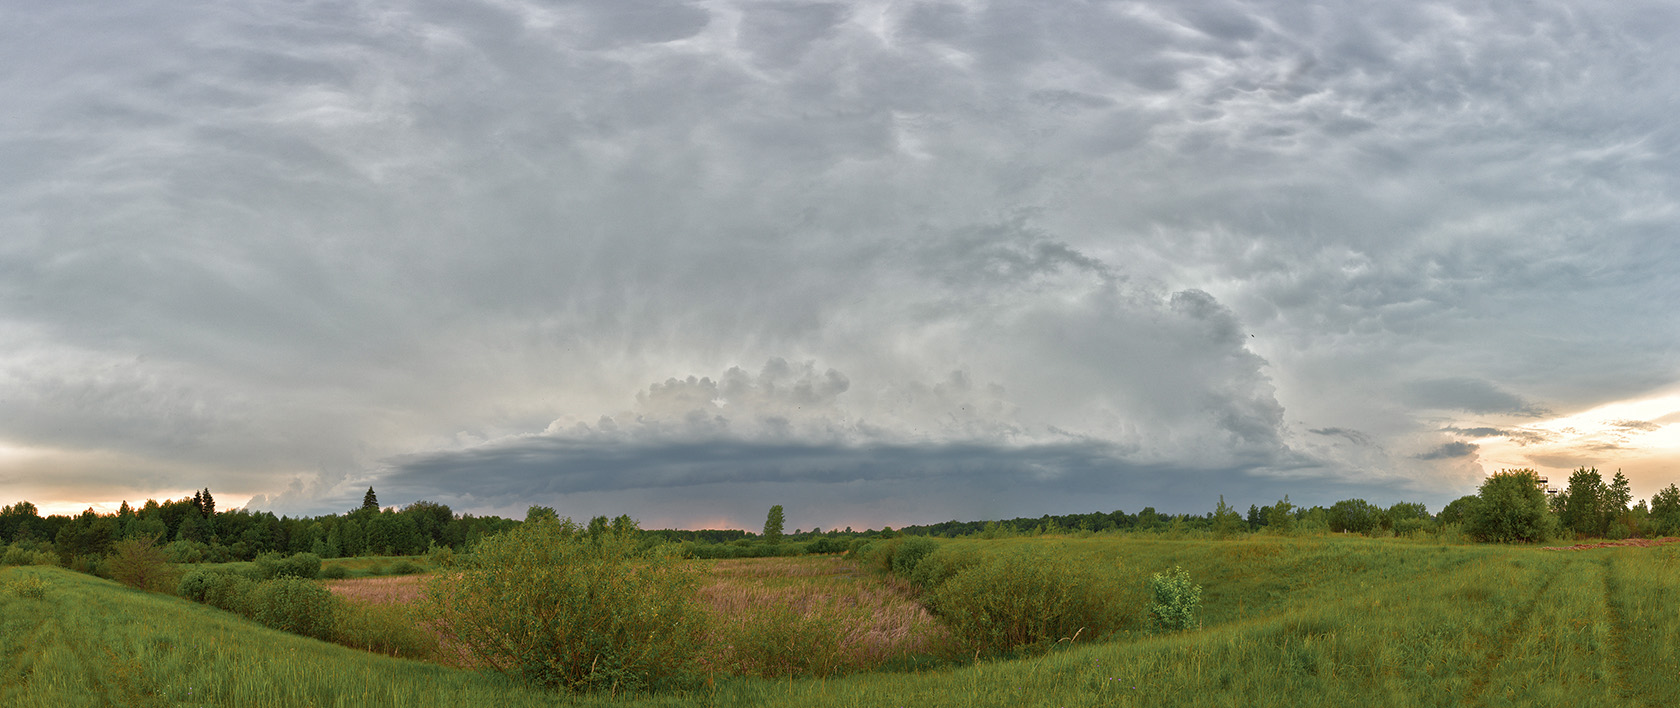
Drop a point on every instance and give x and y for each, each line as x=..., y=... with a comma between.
x=879, y=262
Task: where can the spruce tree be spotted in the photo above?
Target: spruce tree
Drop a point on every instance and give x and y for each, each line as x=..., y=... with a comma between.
x=1617, y=497
x=370, y=501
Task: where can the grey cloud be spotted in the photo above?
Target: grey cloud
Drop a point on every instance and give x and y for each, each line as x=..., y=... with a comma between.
x=937, y=21
x=1450, y=450
x=779, y=34
x=1519, y=436
x=641, y=22
x=1643, y=426
x=738, y=478
x=1352, y=436
x=1468, y=394
x=782, y=401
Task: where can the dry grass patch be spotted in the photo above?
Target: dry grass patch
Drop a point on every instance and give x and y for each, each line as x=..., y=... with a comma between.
x=815, y=615
x=405, y=589
x=768, y=616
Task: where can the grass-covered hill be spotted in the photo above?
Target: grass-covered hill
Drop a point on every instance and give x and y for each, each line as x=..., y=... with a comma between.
x=1284, y=622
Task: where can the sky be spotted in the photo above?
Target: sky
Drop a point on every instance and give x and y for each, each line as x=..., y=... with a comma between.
x=879, y=262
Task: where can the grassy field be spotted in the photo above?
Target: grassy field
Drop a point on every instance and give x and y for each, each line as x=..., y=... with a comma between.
x=1285, y=622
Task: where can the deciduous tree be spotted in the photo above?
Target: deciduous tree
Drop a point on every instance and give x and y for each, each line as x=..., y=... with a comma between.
x=1665, y=510
x=1581, y=507
x=773, y=524
x=1226, y=521
x=1511, y=508
x=140, y=563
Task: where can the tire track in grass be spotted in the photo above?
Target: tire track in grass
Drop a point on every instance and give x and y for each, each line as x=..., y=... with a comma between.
x=1618, y=634
x=1507, y=637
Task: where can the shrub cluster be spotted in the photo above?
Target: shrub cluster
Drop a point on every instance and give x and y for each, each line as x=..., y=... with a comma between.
x=550, y=604
x=286, y=603
x=305, y=607
x=299, y=565
x=996, y=602
x=16, y=554
x=137, y=563
x=1000, y=603
x=1174, y=600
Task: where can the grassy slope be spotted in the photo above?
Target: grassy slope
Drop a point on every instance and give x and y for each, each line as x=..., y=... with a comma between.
x=1288, y=622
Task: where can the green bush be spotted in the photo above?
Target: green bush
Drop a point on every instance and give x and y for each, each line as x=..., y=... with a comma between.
x=230, y=593
x=295, y=605
x=911, y=551
x=16, y=555
x=335, y=572
x=404, y=567
x=185, y=551
x=1001, y=603
x=1174, y=600
x=549, y=604
x=879, y=553
x=941, y=565
x=859, y=547
x=300, y=565
x=1511, y=508
x=265, y=566
x=137, y=563
x=195, y=585
x=826, y=545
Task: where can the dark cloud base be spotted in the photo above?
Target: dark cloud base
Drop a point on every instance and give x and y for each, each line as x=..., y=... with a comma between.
x=693, y=482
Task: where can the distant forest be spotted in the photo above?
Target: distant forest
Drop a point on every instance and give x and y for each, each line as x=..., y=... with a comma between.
x=192, y=529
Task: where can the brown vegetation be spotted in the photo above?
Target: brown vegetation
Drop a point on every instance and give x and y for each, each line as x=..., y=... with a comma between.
x=404, y=589
x=823, y=615
x=769, y=616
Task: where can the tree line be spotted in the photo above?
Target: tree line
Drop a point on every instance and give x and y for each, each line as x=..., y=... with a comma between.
x=192, y=529
x=1510, y=506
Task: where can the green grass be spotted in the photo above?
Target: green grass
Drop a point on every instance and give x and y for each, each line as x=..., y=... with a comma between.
x=1285, y=622
x=357, y=567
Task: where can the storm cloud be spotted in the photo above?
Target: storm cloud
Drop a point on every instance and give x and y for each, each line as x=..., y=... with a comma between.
x=615, y=254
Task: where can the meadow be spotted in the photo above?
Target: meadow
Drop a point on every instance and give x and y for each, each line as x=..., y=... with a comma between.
x=1284, y=621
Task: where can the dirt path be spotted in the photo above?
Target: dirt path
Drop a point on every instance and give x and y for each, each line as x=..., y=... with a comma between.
x=1619, y=649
